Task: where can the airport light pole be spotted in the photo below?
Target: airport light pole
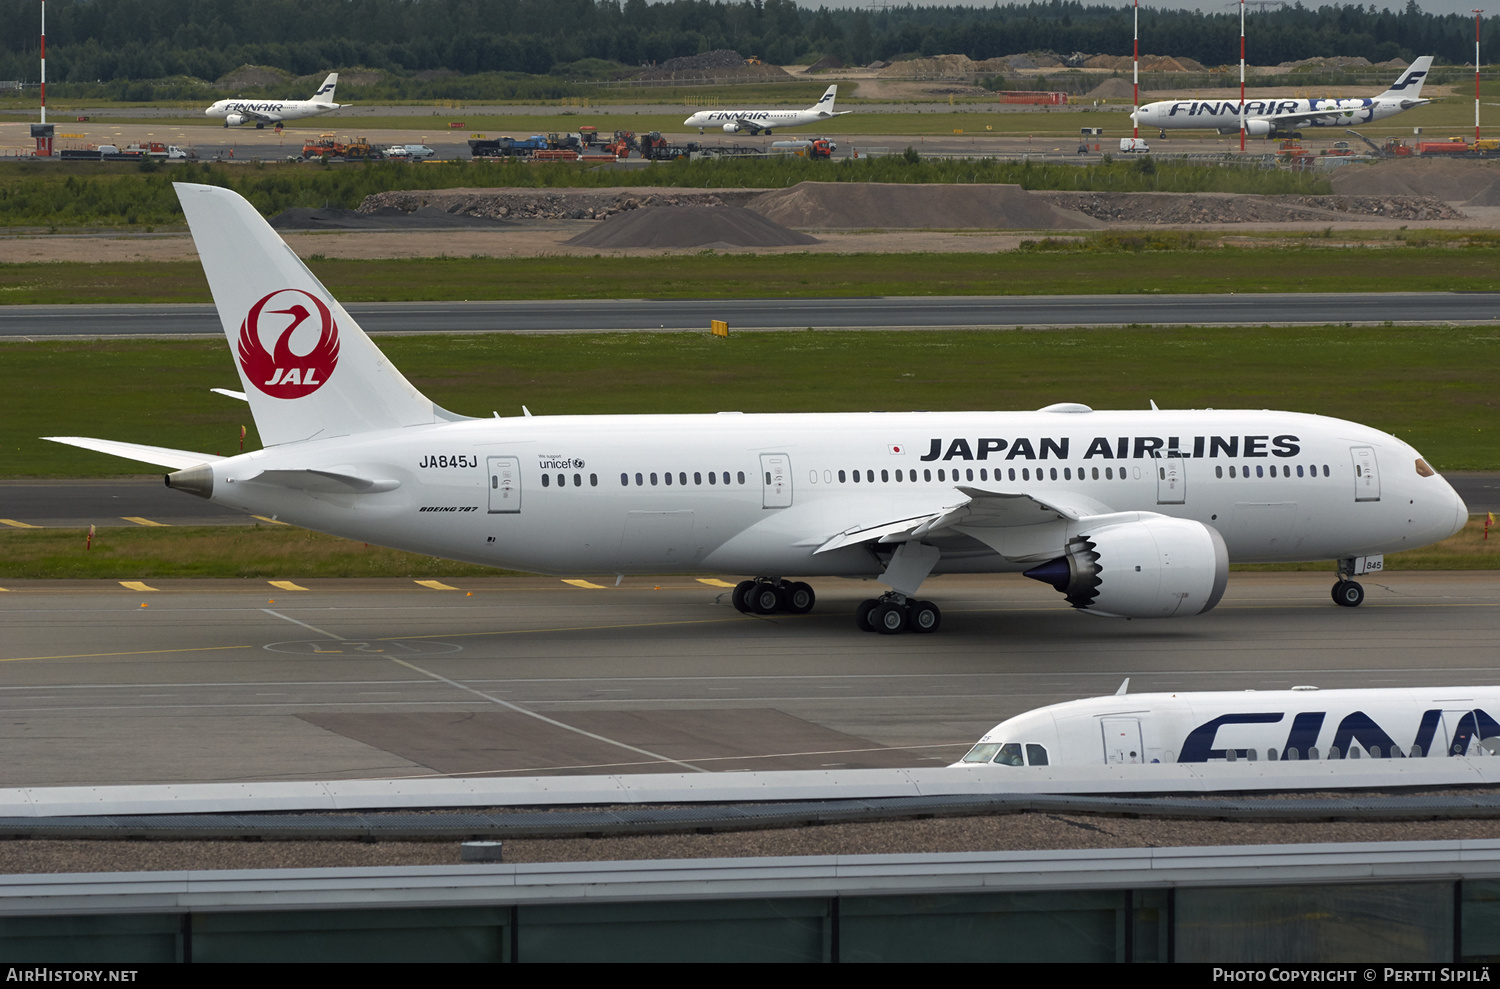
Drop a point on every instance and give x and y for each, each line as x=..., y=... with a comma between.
x=44, y=61
x=1135, y=73
x=1242, y=76
x=1476, y=75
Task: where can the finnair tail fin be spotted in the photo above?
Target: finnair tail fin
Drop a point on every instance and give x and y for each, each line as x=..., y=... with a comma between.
x=307, y=368
x=324, y=93
x=1409, y=85
x=825, y=104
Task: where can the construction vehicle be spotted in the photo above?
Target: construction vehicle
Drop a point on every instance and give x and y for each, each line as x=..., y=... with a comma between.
x=323, y=146
x=624, y=142
x=814, y=148
x=508, y=147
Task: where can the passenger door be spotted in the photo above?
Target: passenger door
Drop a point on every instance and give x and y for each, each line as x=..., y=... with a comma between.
x=504, y=485
x=776, y=479
x=1366, y=474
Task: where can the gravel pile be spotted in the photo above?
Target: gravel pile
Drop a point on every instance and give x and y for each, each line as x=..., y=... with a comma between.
x=881, y=205
x=719, y=58
x=690, y=226
x=1222, y=207
x=1469, y=181
x=551, y=204
x=381, y=218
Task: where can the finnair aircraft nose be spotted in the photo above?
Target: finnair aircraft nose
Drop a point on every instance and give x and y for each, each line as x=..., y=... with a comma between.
x=1460, y=514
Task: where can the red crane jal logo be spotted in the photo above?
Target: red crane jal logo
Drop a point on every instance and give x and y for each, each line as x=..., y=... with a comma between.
x=280, y=372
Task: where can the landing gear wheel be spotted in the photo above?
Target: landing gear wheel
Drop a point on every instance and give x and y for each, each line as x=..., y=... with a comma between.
x=1348, y=594
x=889, y=619
x=925, y=616
x=764, y=599
x=864, y=614
x=740, y=598
x=799, y=598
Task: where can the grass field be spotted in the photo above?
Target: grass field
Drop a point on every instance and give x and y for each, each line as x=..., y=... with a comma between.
x=289, y=553
x=1432, y=386
x=1104, y=264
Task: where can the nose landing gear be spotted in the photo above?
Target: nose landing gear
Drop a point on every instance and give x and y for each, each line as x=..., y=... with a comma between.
x=1347, y=593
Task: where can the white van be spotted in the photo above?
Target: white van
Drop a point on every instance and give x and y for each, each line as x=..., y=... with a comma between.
x=1133, y=145
x=420, y=151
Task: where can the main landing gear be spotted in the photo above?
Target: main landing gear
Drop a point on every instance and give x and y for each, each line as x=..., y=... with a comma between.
x=1347, y=593
x=769, y=595
x=892, y=613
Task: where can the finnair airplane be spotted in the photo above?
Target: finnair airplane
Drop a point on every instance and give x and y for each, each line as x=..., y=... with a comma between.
x=1281, y=118
x=1301, y=723
x=1128, y=514
x=755, y=121
x=236, y=112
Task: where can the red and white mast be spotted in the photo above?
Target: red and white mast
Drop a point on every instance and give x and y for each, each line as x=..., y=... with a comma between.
x=1135, y=71
x=1242, y=76
x=44, y=61
x=1476, y=75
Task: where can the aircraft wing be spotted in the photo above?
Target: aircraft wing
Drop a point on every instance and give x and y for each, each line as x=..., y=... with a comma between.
x=969, y=507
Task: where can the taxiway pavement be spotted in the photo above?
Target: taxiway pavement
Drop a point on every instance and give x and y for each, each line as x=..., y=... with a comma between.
x=897, y=312
x=210, y=681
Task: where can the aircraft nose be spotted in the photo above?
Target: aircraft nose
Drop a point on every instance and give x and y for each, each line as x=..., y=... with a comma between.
x=1460, y=514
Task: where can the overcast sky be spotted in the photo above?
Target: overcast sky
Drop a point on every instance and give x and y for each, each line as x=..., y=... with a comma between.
x=1490, y=7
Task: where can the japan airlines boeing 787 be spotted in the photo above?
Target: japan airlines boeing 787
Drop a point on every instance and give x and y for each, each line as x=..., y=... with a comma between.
x=1128, y=514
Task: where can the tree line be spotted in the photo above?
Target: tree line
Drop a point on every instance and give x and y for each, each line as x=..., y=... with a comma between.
x=111, y=41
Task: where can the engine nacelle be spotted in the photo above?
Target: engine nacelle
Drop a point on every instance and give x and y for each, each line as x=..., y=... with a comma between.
x=731, y=128
x=1259, y=128
x=235, y=119
x=1154, y=567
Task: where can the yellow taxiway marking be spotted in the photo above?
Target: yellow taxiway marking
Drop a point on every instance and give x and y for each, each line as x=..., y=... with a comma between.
x=264, y=519
x=136, y=585
x=140, y=521
x=714, y=582
x=437, y=585
x=19, y=525
x=586, y=584
x=286, y=585
x=136, y=652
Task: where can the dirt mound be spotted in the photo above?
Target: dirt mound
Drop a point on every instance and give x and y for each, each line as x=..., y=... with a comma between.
x=1224, y=207
x=1112, y=88
x=936, y=67
x=719, y=58
x=1474, y=183
x=881, y=205
x=382, y=218
x=247, y=76
x=690, y=226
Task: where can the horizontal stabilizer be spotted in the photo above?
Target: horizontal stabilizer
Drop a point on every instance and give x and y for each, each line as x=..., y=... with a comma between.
x=231, y=394
x=341, y=481
x=159, y=455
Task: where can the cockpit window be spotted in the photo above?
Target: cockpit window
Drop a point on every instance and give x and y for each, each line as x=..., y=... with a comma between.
x=981, y=753
x=1036, y=755
x=1010, y=755
x=1423, y=470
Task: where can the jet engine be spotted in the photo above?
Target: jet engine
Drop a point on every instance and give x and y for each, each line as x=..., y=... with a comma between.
x=1259, y=128
x=235, y=119
x=731, y=128
x=1154, y=567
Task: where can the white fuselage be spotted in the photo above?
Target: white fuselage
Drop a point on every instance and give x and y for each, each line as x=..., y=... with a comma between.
x=268, y=111
x=1250, y=725
x=1288, y=114
x=758, y=494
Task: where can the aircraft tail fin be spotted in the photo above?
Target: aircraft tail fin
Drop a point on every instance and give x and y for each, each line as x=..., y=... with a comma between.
x=306, y=367
x=1409, y=85
x=324, y=92
x=825, y=104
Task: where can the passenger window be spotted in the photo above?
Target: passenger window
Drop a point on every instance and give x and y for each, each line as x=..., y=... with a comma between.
x=726, y=477
x=841, y=477
x=984, y=473
x=593, y=480
x=1012, y=473
x=711, y=479
x=1053, y=472
x=546, y=480
x=1025, y=473
x=562, y=480
x=624, y=480
x=1096, y=473
x=1010, y=755
x=697, y=477
x=885, y=477
x=870, y=476
x=969, y=473
x=926, y=475
x=1036, y=755
x=668, y=478
x=1260, y=471
x=682, y=478
x=898, y=474
x=1325, y=470
x=856, y=477
x=1067, y=473
x=1231, y=471
x=1109, y=473
x=942, y=475
x=1218, y=472
x=653, y=479
x=638, y=479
